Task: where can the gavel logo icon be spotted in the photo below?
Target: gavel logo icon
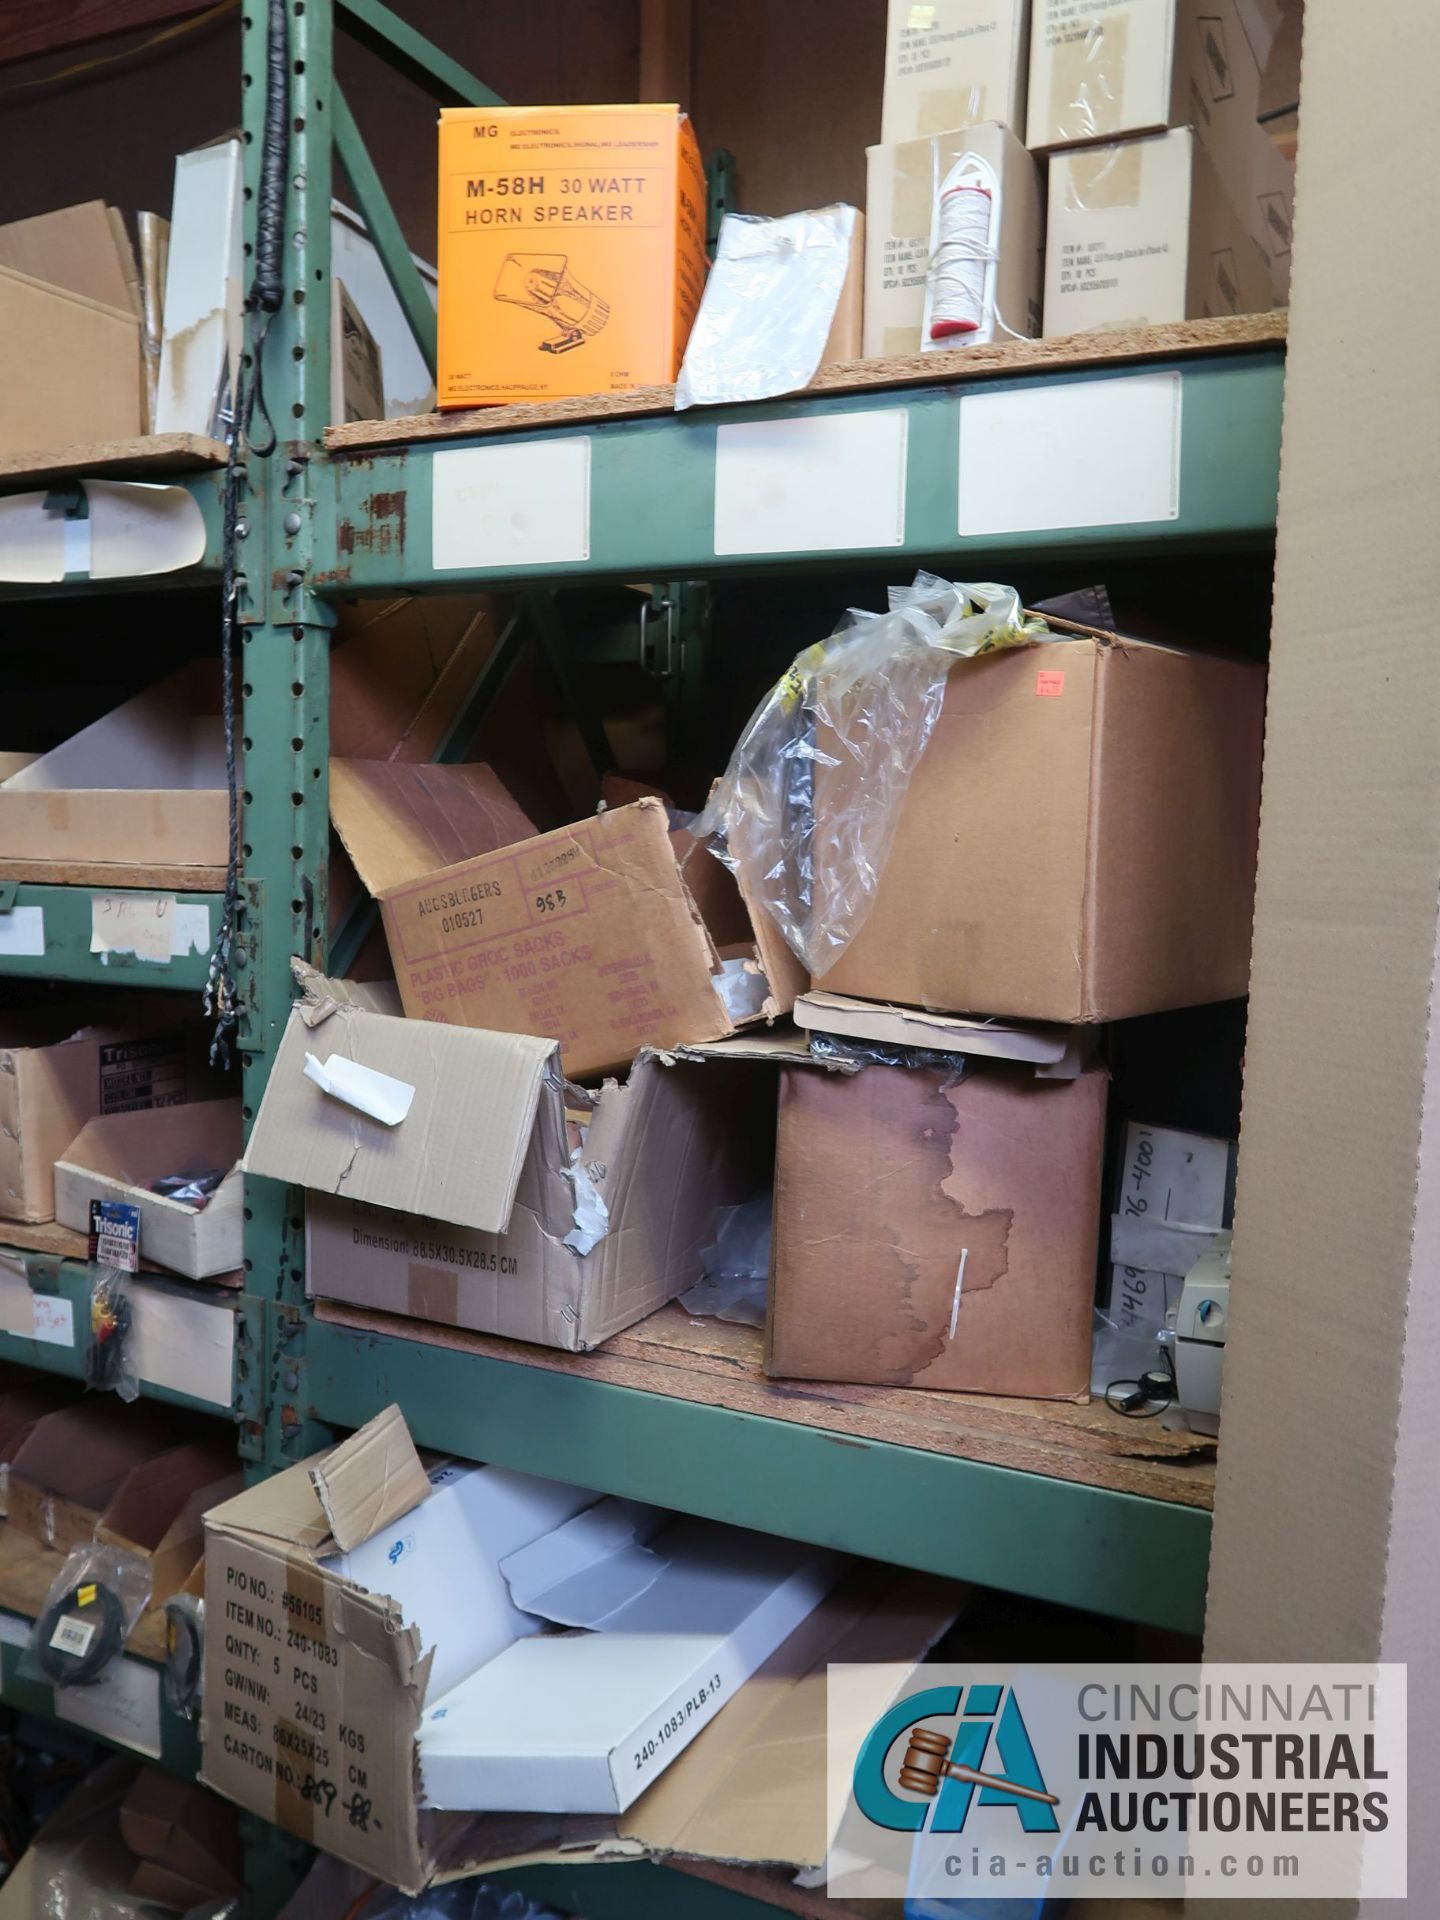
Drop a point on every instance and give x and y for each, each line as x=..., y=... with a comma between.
x=927, y=1763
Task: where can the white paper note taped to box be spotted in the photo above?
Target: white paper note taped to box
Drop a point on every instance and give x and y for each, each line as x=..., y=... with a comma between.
x=379, y=1095
x=526, y=505
x=820, y=483
x=1080, y=453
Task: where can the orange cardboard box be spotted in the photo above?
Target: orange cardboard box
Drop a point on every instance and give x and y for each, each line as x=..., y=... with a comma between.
x=572, y=250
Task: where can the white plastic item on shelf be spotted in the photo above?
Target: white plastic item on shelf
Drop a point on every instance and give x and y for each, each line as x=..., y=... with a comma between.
x=960, y=286
x=769, y=306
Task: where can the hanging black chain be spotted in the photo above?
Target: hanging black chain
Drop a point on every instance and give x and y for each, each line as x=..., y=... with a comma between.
x=264, y=299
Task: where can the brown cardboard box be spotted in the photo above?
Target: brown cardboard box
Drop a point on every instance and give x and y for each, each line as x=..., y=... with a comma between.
x=118, y=1157
x=589, y=934
x=1110, y=870
x=903, y=181
x=74, y=1461
x=481, y=1209
x=397, y=818
x=56, y=1074
x=1143, y=232
x=187, y=1840
x=82, y=381
x=366, y=1681
x=158, y=1511
x=954, y=63
x=1125, y=67
x=143, y=785
x=936, y=1235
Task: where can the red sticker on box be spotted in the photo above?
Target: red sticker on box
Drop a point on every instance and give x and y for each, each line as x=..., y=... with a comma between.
x=1049, y=684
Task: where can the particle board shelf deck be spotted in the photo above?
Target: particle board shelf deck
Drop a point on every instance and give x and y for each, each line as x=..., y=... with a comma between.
x=149, y=457
x=1063, y=1502
x=1106, y=443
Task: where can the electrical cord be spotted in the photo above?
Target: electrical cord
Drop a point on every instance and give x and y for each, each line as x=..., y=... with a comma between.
x=265, y=298
x=111, y=1318
x=99, y=1609
x=1153, y=1393
x=184, y=1651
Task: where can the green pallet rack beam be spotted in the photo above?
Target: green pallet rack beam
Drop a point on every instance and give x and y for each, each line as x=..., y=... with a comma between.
x=1113, y=1553
x=46, y=933
x=651, y=488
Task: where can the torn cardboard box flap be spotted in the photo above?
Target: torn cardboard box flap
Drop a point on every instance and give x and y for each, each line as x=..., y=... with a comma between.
x=504, y=1200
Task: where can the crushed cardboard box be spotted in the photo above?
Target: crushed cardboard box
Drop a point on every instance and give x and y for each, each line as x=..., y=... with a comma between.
x=328, y=1747
x=589, y=934
x=482, y=1208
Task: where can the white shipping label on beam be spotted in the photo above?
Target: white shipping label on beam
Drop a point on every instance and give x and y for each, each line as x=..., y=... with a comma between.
x=136, y=528
x=526, y=505
x=22, y=933
x=54, y=1319
x=1081, y=453
x=821, y=483
x=122, y=1705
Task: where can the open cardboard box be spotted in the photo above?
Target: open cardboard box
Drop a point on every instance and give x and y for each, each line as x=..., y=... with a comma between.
x=480, y=1208
x=751, y=1784
x=144, y=785
x=75, y=1463
x=117, y=1158
x=592, y=935
x=57, y=1072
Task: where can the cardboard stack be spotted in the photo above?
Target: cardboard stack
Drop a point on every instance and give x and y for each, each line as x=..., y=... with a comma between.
x=955, y=80
x=937, y=1221
x=1168, y=199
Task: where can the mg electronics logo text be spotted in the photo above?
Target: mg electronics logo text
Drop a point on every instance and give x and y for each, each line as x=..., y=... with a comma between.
x=947, y=1781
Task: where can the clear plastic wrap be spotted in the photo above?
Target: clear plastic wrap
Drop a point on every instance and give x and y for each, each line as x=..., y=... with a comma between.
x=109, y=1363
x=736, y=1265
x=876, y=1053
x=855, y=710
x=93, y=1603
x=184, y=1669
x=768, y=306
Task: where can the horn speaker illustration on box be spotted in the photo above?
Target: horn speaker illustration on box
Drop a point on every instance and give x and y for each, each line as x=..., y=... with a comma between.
x=542, y=284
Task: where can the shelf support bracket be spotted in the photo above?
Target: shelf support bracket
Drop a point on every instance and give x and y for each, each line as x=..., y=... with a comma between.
x=384, y=229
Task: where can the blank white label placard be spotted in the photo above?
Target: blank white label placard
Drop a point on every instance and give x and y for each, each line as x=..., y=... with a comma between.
x=1083, y=453
x=818, y=484
x=22, y=933
x=526, y=505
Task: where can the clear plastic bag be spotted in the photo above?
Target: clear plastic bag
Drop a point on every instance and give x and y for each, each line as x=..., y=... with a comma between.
x=735, y=1266
x=768, y=306
x=183, y=1673
x=875, y=1053
x=856, y=712
x=89, y=1612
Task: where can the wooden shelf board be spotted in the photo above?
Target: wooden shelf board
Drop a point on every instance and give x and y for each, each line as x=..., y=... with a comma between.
x=1176, y=339
x=115, y=459
x=715, y=1364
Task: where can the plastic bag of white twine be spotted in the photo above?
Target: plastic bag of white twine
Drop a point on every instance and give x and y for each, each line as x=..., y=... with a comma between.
x=961, y=282
x=807, y=809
